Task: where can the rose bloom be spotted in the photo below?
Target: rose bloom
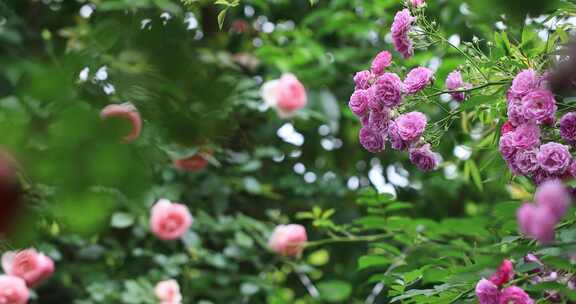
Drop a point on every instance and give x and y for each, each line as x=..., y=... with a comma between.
x=515, y=295
x=358, y=103
x=372, y=140
x=194, y=163
x=362, y=80
x=30, y=265
x=381, y=62
x=410, y=126
x=539, y=105
x=128, y=112
x=526, y=136
x=526, y=161
x=169, y=221
x=288, y=240
x=417, y=3
x=287, y=95
x=537, y=222
x=516, y=113
x=418, y=79
x=379, y=120
x=454, y=82
x=554, y=195
x=397, y=142
x=388, y=90
x=168, y=292
x=400, y=28
x=424, y=159
x=507, y=127
x=568, y=127
x=504, y=274
x=507, y=147
x=554, y=158
x=525, y=82
x=487, y=292
x=13, y=290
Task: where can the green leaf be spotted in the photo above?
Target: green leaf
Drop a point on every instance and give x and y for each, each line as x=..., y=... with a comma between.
x=121, y=220
x=368, y=261
x=221, y=18
x=334, y=291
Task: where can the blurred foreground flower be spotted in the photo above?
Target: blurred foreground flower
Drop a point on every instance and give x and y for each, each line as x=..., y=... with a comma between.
x=287, y=95
x=168, y=292
x=125, y=111
x=13, y=290
x=288, y=240
x=30, y=265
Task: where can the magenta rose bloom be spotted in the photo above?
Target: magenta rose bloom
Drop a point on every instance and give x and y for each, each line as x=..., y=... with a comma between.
x=424, y=159
x=418, y=79
x=537, y=222
x=524, y=83
x=397, y=142
x=454, y=82
x=515, y=295
x=400, y=29
x=388, y=90
x=516, y=113
x=526, y=161
x=568, y=127
x=372, y=140
x=539, y=105
x=554, y=158
x=410, y=126
x=507, y=148
x=362, y=80
x=381, y=62
x=554, y=195
x=379, y=120
x=504, y=274
x=526, y=136
x=487, y=292
x=358, y=103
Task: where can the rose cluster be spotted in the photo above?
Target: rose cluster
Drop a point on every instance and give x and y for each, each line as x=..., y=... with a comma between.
x=532, y=107
x=23, y=269
x=375, y=101
x=489, y=291
x=538, y=220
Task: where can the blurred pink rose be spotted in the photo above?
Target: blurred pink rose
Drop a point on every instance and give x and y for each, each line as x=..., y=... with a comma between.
x=125, y=111
x=417, y=3
x=287, y=95
x=30, y=265
x=487, y=292
x=194, y=163
x=288, y=240
x=515, y=295
x=504, y=274
x=168, y=292
x=13, y=290
x=169, y=221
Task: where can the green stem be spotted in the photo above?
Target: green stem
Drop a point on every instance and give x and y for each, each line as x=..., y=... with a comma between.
x=482, y=86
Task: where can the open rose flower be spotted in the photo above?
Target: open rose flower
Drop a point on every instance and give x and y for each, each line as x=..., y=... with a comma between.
x=168, y=292
x=515, y=295
x=379, y=121
x=504, y=274
x=568, y=127
x=418, y=79
x=526, y=136
x=388, y=90
x=525, y=82
x=287, y=95
x=554, y=158
x=554, y=195
x=128, y=112
x=539, y=106
x=395, y=139
x=424, y=159
x=537, y=222
x=454, y=82
x=487, y=292
x=526, y=161
x=288, y=240
x=358, y=103
x=362, y=80
x=381, y=62
x=371, y=139
x=13, y=290
x=417, y=3
x=169, y=221
x=400, y=29
x=30, y=265
x=410, y=126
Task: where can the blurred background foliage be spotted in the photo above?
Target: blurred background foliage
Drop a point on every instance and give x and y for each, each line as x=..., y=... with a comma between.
x=194, y=70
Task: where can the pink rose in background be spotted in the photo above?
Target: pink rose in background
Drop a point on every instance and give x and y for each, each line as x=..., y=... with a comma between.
x=125, y=111
x=417, y=3
x=524, y=83
x=424, y=159
x=504, y=274
x=554, y=195
x=537, y=222
x=487, y=292
x=381, y=62
x=515, y=295
x=454, y=82
x=362, y=80
x=554, y=158
x=169, y=221
x=418, y=79
x=400, y=28
x=288, y=240
x=568, y=127
x=287, y=95
x=194, y=163
x=30, y=265
x=410, y=126
x=168, y=292
x=13, y=290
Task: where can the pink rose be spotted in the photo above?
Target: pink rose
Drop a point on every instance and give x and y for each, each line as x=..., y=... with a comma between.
x=418, y=79
x=525, y=82
x=287, y=95
x=13, y=290
x=30, y=265
x=537, y=222
x=125, y=111
x=417, y=3
x=288, y=240
x=410, y=126
x=487, y=292
x=168, y=292
x=504, y=274
x=381, y=62
x=169, y=221
x=515, y=295
x=194, y=163
x=539, y=105
x=553, y=195
x=400, y=28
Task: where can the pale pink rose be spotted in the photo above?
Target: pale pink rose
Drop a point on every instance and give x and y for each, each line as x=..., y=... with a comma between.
x=287, y=95
x=125, y=111
x=169, y=221
x=288, y=240
x=168, y=292
x=13, y=290
x=30, y=265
